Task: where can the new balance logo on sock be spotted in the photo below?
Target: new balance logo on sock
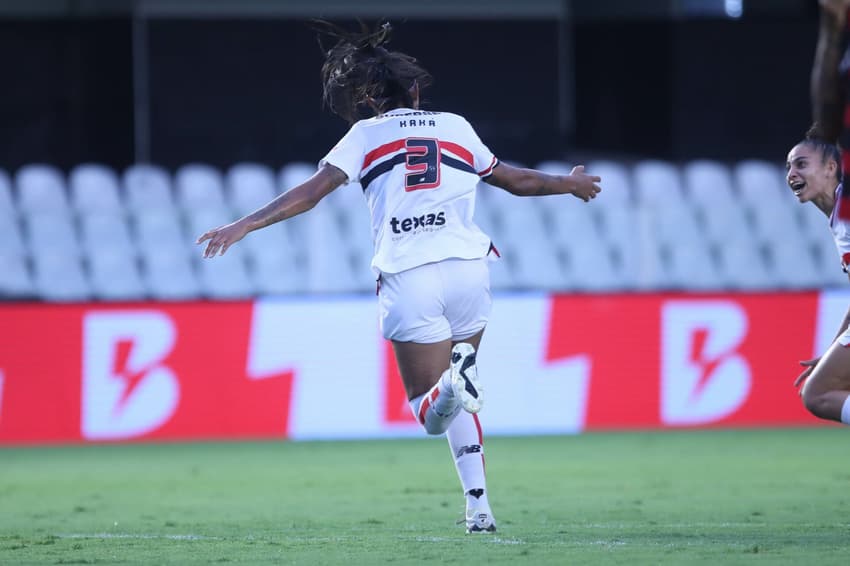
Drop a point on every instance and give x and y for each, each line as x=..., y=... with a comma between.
x=469, y=449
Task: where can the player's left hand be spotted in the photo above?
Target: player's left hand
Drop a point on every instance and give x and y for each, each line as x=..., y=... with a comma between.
x=585, y=185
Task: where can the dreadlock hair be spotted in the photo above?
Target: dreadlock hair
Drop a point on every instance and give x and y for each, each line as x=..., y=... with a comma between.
x=816, y=140
x=359, y=73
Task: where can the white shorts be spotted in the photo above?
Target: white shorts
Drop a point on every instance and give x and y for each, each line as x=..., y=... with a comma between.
x=436, y=301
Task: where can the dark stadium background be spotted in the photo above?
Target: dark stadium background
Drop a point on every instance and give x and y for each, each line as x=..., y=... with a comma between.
x=175, y=81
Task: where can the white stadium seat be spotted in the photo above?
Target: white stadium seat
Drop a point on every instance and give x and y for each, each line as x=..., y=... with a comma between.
x=11, y=236
x=249, y=186
x=709, y=184
x=759, y=180
x=7, y=201
x=657, y=182
x=41, y=188
x=15, y=279
x=742, y=266
x=94, y=188
x=115, y=276
x=52, y=231
x=293, y=174
x=225, y=276
x=103, y=231
x=198, y=186
x=169, y=275
x=693, y=267
x=147, y=188
x=616, y=182
x=60, y=277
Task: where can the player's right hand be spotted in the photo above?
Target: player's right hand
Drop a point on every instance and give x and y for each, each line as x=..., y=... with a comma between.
x=223, y=237
x=586, y=187
x=810, y=366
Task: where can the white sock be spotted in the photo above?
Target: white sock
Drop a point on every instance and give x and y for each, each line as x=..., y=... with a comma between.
x=467, y=446
x=845, y=411
x=436, y=409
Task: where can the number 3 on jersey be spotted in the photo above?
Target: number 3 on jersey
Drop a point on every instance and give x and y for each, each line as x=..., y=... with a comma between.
x=423, y=162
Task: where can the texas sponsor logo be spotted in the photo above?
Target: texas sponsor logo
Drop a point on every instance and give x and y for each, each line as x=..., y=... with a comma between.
x=704, y=378
x=415, y=224
x=127, y=389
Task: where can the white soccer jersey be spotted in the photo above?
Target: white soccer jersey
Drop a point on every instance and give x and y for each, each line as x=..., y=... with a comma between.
x=418, y=170
x=839, y=223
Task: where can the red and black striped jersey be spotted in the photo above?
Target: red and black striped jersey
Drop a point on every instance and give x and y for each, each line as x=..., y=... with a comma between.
x=839, y=223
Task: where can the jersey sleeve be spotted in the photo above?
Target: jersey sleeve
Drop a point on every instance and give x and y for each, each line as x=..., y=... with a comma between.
x=348, y=154
x=483, y=159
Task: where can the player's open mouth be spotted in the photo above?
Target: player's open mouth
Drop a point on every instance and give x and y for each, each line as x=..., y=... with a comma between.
x=798, y=187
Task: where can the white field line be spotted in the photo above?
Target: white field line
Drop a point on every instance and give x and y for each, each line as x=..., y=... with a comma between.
x=135, y=536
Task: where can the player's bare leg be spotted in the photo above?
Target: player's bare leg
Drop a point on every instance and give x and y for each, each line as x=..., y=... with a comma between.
x=826, y=391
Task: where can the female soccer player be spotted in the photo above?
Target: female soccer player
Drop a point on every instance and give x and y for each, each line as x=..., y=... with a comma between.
x=418, y=170
x=814, y=174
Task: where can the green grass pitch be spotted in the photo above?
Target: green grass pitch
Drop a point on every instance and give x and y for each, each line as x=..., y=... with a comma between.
x=697, y=497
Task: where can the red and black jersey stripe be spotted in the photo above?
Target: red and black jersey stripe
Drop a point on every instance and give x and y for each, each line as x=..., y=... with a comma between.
x=451, y=155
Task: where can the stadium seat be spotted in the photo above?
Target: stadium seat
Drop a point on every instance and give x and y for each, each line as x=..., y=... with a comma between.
x=15, y=279
x=270, y=244
x=60, y=277
x=41, y=188
x=147, y=188
x=348, y=197
x=616, y=182
x=554, y=167
x=793, y=264
x=249, y=186
x=276, y=275
x=675, y=224
x=7, y=201
x=169, y=276
x=591, y=266
x=161, y=228
x=567, y=221
x=199, y=186
x=115, y=275
x=758, y=181
x=828, y=261
x=102, y=231
x=693, y=267
x=94, y=188
x=200, y=220
x=742, y=266
x=328, y=261
x=814, y=223
x=708, y=184
x=226, y=276
x=293, y=174
x=501, y=276
x=535, y=266
x=520, y=219
x=776, y=220
x=722, y=225
x=52, y=231
x=11, y=235
x=657, y=182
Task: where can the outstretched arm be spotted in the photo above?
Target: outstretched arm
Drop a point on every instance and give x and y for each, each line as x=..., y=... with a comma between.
x=295, y=201
x=531, y=182
x=826, y=86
